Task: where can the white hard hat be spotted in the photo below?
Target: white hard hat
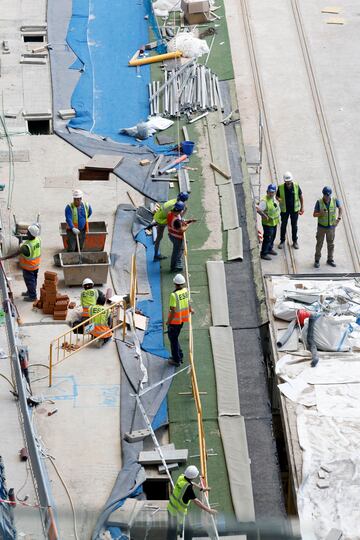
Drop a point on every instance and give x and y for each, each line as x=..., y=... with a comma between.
x=77, y=194
x=288, y=177
x=87, y=281
x=34, y=230
x=191, y=472
x=179, y=279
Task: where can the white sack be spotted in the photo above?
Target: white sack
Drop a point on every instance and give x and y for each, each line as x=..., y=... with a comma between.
x=330, y=334
x=189, y=45
x=286, y=309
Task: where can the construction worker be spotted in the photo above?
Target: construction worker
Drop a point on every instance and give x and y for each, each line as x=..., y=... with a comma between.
x=180, y=499
x=160, y=221
x=269, y=211
x=101, y=322
x=176, y=228
x=29, y=259
x=291, y=201
x=179, y=309
x=325, y=212
x=89, y=297
x=77, y=216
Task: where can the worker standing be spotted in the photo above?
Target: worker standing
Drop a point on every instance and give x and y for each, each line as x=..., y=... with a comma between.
x=77, y=216
x=101, y=322
x=160, y=221
x=29, y=258
x=180, y=499
x=291, y=202
x=176, y=228
x=269, y=210
x=179, y=310
x=325, y=212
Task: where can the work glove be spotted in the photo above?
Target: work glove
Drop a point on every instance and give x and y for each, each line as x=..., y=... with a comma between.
x=75, y=231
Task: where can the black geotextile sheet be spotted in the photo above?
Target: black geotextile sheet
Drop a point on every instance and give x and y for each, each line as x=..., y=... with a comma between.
x=64, y=81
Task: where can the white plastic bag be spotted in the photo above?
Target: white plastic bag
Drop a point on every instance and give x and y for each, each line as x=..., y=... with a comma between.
x=330, y=334
x=189, y=45
x=286, y=309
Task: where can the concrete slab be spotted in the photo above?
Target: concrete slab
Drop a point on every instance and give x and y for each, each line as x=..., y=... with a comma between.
x=229, y=212
x=235, y=245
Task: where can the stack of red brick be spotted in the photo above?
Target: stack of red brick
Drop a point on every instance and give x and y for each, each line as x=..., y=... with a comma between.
x=51, y=301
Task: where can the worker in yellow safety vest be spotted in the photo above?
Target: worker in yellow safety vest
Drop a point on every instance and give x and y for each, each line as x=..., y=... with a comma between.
x=89, y=297
x=179, y=311
x=101, y=322
x=291, y=202
x=160, y=221
x=29, y=259
x=269, y=210
x=180, y=499
x=325, y=212
x=77, y=216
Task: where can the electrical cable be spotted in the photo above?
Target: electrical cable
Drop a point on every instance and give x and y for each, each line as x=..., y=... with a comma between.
x=9, y=381
x=52, y=461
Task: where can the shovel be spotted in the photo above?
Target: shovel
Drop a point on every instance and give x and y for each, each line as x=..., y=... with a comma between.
x=78, y=246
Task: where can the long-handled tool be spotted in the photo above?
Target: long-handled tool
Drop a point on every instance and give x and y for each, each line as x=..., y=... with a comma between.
x=78, y=246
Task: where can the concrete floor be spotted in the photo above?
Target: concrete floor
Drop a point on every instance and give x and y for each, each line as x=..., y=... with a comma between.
x=290, y=109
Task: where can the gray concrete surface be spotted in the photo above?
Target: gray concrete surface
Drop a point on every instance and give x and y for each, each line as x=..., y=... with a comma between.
x=290, y=109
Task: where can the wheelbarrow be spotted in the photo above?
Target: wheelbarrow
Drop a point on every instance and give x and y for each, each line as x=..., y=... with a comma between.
x=20, y=231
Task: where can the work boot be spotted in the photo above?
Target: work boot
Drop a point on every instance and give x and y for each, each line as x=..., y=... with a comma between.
x=266, y=257
x=272, y=252
x=28, y=299
x=331, y=263
x=316, y=264
x=281, y=245
x=159, y=257
x=26, y=293
x=295, y=245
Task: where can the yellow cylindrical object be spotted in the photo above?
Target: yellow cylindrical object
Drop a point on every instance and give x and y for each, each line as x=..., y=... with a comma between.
x=157, y=58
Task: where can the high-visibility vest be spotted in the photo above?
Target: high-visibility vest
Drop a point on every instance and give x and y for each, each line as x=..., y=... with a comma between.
x=297, y=204
x=74, y=210
x=161, y=215
x=182, y=308
x=176, y=506
x=31, y=262
x=171, y=218
x=329, y=219
x=272, y=211
x=88, y=298
x=100, y=322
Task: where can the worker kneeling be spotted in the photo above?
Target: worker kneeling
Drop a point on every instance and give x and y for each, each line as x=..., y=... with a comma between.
x=102, y=322
x=180, y=500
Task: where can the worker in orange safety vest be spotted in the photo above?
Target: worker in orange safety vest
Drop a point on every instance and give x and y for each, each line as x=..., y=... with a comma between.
x=179, y=311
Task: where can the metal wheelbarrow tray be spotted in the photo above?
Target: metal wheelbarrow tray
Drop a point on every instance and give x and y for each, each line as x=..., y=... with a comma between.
x=94, y=265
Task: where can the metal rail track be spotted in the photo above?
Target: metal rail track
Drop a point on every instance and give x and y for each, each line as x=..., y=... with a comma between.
x=289, y=259
x=326, y=138
x=352, y=241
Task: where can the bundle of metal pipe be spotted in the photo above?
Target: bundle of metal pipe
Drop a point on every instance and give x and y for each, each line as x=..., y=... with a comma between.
x=191, y=88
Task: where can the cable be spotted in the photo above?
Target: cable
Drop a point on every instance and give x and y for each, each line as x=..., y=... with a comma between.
x=52, y=461
x=9, y=381
x=22, y=487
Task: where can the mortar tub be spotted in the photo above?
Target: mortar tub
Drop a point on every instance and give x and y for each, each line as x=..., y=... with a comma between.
x=95, y=238
x=95, y=265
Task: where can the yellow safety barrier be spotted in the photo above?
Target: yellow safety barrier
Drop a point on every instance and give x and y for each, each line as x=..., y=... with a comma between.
x=194, y=382
x=71, y=342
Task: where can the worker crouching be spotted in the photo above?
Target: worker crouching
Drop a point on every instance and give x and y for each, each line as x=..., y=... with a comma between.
x=102, y=322
x=179, y=312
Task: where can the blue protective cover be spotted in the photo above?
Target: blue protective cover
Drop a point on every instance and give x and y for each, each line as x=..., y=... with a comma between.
x=110, y=95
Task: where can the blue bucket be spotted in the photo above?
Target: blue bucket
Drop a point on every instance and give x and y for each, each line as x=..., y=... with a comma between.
x=188, y=147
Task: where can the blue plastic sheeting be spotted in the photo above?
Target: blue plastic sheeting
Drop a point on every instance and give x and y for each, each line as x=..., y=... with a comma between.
x=104, y=35
x=153, y=341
